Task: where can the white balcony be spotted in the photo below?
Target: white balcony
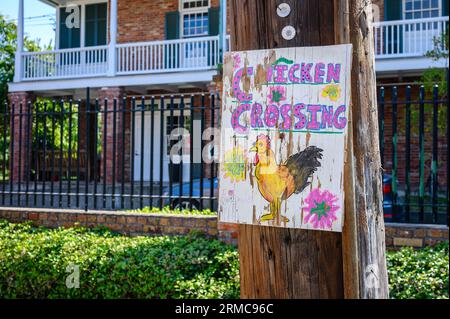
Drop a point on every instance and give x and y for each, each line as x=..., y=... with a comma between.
x=401, y=45
x=186, y=63
x=62, y=64
x=184, y=55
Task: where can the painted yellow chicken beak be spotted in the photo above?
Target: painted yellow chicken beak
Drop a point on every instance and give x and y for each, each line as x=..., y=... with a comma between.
x=253, y=149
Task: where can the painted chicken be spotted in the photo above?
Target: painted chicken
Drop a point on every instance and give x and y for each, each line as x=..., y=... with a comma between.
x=279, y=182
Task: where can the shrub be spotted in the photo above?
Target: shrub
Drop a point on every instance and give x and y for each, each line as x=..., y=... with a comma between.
x=419, y=274
x=33, y=264
x=168, y=210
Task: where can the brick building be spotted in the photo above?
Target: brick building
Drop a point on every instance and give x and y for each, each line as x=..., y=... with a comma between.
x=148, y=47
x=120, y=49
x=403, y=35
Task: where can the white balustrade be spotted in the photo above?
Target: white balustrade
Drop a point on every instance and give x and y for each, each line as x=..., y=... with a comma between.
x=66, y=63
x=407, y=38
x=168, y=56
x=192, y=54
x=393, y=39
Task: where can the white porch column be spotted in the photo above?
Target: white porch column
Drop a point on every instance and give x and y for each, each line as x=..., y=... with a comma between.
x=18, y=60
x=112, y=38
x=223, y=31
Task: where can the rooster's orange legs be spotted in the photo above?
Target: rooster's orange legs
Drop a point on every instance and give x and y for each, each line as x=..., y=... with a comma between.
x=275, y=210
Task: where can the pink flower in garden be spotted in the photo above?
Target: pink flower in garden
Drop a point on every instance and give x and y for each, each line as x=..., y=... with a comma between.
x=321, y=209
x=277, y=94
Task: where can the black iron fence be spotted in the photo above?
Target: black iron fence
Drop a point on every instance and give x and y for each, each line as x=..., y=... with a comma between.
x=414, y=140
x=160, y=151
x=126, y=153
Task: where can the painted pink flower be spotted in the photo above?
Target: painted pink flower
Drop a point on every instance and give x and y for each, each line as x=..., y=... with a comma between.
x=277, y=94
x=321, y=209
x=237, y=61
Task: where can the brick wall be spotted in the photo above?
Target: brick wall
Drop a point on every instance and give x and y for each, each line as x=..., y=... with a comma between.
x=228, y=232
x=415, y=235
x=122, y=147
x=414, y=141
x=144, y=20
x=134, y=224
x=20, y=127
x=397, y=235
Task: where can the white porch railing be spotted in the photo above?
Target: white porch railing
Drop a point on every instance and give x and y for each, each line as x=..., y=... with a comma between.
x=407, y=38
x=131, y=58
x=168, y=56
x=66, y=63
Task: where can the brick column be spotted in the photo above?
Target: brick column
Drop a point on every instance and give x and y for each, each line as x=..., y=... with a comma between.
x=122, y=145
x=20, y=148
x=216, y=88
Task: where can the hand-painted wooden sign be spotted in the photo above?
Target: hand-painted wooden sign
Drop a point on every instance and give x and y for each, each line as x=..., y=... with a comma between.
x=284, y=129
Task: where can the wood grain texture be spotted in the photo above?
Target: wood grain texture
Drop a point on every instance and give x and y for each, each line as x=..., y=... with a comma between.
x=367, y=162
x=349, y=231
x=288, y=263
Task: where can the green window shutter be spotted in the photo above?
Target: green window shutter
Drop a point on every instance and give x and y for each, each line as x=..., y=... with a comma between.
x=68, y=38
x=213, y=21
x=172, y=33
x=172, y=25
x=444, y=7
x=393, y=10
x=213, y=30
x=96, y=24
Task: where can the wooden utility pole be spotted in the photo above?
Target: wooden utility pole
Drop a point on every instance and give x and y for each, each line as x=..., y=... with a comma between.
x=291, y=263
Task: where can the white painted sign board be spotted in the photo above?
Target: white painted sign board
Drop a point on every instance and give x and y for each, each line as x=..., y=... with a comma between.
x=284, y=131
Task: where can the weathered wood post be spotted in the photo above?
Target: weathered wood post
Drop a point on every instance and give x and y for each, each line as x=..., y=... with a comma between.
x=293, y=263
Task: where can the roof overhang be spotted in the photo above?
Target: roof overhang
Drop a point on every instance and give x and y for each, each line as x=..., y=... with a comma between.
x=135, y=80
x=63, y=3
x=53, y=3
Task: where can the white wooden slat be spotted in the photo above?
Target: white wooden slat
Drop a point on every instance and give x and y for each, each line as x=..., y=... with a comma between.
x=182, y=54
x=150, y=57
x=398, y=39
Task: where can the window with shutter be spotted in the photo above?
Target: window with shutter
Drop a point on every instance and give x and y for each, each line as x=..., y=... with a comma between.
x=418, y=9
x=96, y=24
x=69, y=35
x=393, y=36
x=172, y=25
x=393, y=10
x=194, y=18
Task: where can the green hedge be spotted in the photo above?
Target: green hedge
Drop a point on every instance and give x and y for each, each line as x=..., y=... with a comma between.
x=33, y=264
x=419, y=274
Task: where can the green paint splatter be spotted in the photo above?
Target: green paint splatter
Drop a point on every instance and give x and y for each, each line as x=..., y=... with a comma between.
x=277, y=96
x=283, y=60
x=320, y=210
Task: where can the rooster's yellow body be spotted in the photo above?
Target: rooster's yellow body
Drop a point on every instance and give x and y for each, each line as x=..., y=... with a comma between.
x=277, y=182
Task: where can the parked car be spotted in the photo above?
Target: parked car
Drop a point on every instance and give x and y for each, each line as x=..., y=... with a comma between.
x=185, y=202
x=392, y=213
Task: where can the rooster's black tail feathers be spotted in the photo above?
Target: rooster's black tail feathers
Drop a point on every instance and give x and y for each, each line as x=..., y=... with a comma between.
x=302, y=165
